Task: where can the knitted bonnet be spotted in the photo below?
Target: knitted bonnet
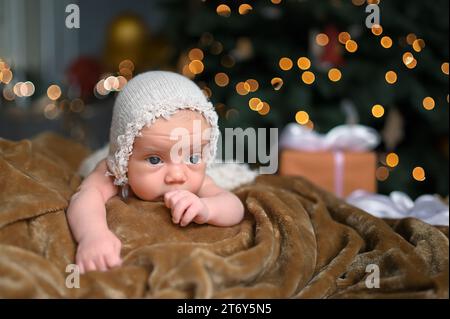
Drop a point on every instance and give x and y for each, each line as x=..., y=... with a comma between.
x=144, y=99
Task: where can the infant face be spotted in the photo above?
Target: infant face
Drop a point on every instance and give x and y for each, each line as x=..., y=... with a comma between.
x=160, y=164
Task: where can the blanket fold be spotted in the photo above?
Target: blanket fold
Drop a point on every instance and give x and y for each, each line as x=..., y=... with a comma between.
x=296, y=241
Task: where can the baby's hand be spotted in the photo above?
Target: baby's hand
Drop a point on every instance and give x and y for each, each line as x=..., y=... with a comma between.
x=186, y=207
x=99, y=251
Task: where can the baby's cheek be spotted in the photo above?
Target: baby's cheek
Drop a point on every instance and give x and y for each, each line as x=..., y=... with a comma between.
x=145, y=187
x=196, y=179
x=143, y=181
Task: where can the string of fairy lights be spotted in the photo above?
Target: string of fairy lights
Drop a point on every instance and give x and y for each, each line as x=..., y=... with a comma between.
x=191, y=65
x=55, y=101
x=389, y=161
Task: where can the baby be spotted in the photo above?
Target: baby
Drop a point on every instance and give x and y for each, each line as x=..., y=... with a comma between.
x=163, y=135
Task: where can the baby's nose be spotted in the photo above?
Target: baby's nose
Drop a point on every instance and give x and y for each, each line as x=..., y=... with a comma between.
x=175, y=174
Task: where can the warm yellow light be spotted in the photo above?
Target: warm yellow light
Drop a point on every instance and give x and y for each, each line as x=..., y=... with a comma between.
x=358, y=2
x=8, y=94
x=334, y=75
x=302, y=117
x=196, y=67
x=126, y=64
x=126, y=73
x=418, y=174
x=412, y=65
x=386, y=42
x=221, y=79
x=344, y=37
x=378, y=111
x=408, y=58
x=382, y=173
x=54, y=92
x=309, y=125
x=322, y=39
x=351, y=46
x=16, y=89
x=275, y=1
x=3, y=65
x=122, y=82
x=111, y=83
x=223, y=10
x=392, y=160
x=277, y=83
x=259, y=106
x=265, y=109
x=308, y=77
x=242, y=88
x=186, y=72
x=444, y=68
x=253, y=84
x=304, y=63
x=377, y=29
x=410, y=38
x=195, y=54
x=418, y=45
x=285, y=64
x=7, y=75
x=245, y=8
x=255, y=104
x=27, y=89
x=100, y=88
x=391, y=77
x=428, y=103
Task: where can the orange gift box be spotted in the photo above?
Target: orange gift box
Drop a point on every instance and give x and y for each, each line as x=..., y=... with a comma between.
x=339, y=172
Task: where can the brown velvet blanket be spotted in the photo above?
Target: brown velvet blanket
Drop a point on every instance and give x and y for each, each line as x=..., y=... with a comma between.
x=296, y=241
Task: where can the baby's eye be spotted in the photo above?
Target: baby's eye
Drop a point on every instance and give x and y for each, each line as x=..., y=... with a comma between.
x=154, y=160
x=194, y=159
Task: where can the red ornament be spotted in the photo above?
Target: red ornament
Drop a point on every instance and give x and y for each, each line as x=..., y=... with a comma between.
x=83, y=74
x=332, y=52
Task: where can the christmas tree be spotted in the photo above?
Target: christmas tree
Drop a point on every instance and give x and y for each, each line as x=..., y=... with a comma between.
x=262, y=62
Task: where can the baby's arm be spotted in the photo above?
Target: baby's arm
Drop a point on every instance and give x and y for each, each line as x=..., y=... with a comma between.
x=98, y=247
x=212, y=205
x=224, y=208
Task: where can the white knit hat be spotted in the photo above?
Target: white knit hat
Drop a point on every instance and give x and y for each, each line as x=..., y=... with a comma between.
x=145, y=98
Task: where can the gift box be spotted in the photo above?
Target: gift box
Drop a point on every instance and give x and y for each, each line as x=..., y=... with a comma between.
x=340, y=162
x=340, y=173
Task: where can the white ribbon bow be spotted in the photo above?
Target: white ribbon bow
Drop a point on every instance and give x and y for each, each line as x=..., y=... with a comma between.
x=353, y=137
x=428, y=208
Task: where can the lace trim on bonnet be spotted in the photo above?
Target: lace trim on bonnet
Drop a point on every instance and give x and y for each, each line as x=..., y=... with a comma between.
x=118, y=162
